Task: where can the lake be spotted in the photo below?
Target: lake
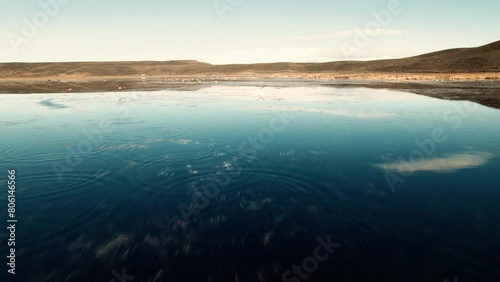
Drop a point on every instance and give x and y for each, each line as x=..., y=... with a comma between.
x=244, y=183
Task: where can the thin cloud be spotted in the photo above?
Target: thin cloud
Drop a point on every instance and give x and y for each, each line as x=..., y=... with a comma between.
x=338, y=34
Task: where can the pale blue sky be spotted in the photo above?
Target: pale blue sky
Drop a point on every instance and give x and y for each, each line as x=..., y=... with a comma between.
x=253, y=31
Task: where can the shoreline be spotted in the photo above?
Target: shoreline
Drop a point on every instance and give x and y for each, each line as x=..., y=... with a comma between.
x=263, y=75
x=482, y=88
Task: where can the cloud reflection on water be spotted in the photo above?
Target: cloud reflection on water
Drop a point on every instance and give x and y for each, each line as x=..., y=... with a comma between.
x=446, y=164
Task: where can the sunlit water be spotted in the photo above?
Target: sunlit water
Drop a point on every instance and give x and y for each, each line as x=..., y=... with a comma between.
x=239, y=183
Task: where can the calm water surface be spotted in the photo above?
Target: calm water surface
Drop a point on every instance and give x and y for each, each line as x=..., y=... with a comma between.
x=241, y=184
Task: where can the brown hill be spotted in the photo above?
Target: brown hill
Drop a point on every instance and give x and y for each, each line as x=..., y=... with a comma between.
x=99, y=69
x=464, y=60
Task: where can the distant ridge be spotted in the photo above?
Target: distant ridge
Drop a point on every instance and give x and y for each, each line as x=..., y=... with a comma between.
x=462, y=60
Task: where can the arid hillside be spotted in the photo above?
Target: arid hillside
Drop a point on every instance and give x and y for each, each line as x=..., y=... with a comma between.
x=484, y=59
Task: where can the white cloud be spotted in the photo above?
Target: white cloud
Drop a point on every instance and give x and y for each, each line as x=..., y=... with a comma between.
x=337, y=34
x=265, y=55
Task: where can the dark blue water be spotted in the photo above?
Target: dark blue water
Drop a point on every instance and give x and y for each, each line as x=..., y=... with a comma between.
x=249, y=184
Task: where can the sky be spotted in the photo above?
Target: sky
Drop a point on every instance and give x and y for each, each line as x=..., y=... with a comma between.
x=240, y=31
